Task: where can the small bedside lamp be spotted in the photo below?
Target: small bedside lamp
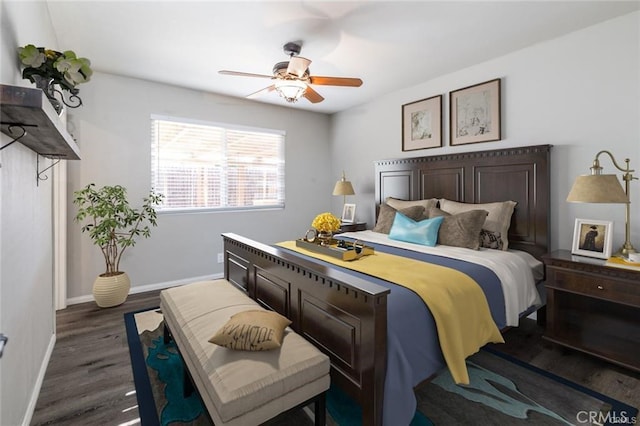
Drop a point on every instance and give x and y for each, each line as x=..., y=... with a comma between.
x=599, y=188
x=343, y=187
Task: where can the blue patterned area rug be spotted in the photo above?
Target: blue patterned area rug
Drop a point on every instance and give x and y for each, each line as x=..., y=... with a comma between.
x=506, y=391
x=158, y=377
x=503, y=391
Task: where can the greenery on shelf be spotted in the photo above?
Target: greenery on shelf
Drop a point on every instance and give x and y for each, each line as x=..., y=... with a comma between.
x=64, y=68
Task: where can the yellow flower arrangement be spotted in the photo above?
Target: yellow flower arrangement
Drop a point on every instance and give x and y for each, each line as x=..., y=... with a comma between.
x=326, y=222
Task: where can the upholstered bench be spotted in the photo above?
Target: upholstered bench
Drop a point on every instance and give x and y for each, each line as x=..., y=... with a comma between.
x=241, y=387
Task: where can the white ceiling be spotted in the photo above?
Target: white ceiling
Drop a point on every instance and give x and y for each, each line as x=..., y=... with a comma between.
x=390, y=45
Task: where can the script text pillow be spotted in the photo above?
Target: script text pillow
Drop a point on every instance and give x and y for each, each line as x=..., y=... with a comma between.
x=460, y=230
x=387, y=214
x=424, y=232
x=498, y=220
x=255, y=330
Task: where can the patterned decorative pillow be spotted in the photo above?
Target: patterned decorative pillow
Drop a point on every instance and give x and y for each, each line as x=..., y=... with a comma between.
x=424, y=232
x=498, y=220
x=489, y=239
x=255, y=330
x=460, y=230
x=403, y=204
x=387, y=214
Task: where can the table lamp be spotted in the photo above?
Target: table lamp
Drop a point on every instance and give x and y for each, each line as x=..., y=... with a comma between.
x=343, y=187
x=599, y=188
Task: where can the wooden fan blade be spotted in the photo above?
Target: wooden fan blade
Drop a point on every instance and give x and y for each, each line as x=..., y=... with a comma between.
x=244, y=74
x=298, y=66
x=313, y=96
x=336, y=81
x=262, y=92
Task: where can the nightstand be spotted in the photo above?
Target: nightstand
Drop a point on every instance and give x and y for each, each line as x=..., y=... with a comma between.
x=593, y=308
x=352, y=227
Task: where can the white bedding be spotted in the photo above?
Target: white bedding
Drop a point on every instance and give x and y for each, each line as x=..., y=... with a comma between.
x=514, y=268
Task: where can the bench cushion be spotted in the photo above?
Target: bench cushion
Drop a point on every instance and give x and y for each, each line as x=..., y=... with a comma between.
x=239, y=387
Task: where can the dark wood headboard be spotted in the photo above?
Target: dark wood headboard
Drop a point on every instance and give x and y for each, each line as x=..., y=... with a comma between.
x=520, y=174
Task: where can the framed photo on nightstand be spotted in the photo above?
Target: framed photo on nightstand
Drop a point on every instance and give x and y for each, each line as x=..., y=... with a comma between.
x=349, y=213
x=592, y=238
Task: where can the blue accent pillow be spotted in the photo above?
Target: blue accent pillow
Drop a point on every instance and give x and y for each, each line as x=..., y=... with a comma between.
x=408, y=230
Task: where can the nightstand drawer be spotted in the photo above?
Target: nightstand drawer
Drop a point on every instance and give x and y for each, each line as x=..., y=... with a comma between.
x=600, y=287
x=593, y=308
x=353, y=227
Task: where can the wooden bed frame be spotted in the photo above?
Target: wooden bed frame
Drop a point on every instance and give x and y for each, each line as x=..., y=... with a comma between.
x=347, y=317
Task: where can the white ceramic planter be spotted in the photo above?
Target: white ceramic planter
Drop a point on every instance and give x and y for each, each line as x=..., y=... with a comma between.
x=112, y=290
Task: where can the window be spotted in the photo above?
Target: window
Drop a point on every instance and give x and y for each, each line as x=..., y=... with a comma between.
x=211, y=166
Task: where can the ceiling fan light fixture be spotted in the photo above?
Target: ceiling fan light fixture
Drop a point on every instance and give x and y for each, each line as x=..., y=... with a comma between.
x=292, y=79
x=291, y=90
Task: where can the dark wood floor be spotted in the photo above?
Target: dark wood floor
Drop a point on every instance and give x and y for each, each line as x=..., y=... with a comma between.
x=89, y=379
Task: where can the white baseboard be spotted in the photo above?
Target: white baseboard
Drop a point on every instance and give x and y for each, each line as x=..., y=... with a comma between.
x=149, y=287
x=31, y=407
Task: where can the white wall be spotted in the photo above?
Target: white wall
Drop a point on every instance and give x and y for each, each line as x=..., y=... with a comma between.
x=26, y=236
x=580, y=93
x=113, y=131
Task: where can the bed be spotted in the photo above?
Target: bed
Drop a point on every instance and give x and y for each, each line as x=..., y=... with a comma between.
x=346, y=314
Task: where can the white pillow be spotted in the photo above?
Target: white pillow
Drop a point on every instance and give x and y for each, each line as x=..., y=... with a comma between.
x=498, y=220
x=403, y=204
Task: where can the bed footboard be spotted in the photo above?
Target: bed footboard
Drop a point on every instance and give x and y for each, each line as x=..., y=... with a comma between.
x=344, y=316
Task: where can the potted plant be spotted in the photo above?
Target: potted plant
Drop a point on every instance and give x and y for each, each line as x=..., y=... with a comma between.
x=47, y=68
x=113, y=225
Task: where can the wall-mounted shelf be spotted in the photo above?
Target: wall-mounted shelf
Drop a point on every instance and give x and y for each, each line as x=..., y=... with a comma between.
x=23, y=108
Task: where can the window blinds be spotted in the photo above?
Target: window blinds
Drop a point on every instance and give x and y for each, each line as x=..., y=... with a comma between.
x=205, y=166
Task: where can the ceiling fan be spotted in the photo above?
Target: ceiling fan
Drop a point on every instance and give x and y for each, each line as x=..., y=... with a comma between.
x=292, y=78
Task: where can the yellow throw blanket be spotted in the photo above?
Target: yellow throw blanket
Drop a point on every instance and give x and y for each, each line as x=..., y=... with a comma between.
x=456, y=301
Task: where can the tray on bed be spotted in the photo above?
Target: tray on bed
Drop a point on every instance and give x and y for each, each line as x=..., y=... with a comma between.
x=342, y=250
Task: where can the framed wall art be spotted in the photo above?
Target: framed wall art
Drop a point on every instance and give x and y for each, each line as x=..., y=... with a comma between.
x=592, y=238
x=474, y=113
x=422, y=124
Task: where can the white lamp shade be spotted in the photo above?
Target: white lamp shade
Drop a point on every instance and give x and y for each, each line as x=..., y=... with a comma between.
x=291, y=90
